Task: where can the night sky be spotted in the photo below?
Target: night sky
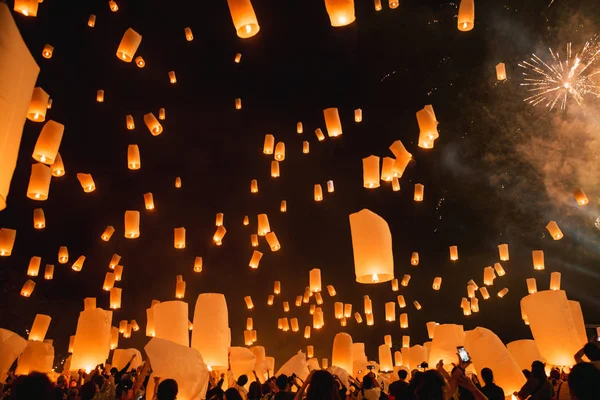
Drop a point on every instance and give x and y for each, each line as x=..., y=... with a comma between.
x=492, y=178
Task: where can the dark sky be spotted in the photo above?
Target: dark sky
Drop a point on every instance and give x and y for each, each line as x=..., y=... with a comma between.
x=481, y=187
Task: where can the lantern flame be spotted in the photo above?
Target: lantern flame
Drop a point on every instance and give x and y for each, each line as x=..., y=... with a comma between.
x=375, y=278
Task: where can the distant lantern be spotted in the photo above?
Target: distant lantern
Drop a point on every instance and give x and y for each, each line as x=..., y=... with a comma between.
x=499, y=270
x=38, y=105
x=310, y=350
x=370, y=319
x=318, y=298
x=554, y=230
x=248, y=337
x=162, y=114
x=71, y=342
x=179, y=238
x=238, y=58
x=318, y=193
x=49, y=272
x=28, y=8
x=108, y=232
x=219, y=235
x=280, y=151
x=427, y=126
x=87, y=182
x=263, y=225
x=393, y=4
x=7, y=241
x=371, y=172
x=63, y=255
x=390, y=311
x=324, y=363
x=254, y=240
x=114, y=261
x=475, y=304
x=501, y=72
x=255, y=260
x=78, y=264
x=437, y=283
x=299, y=128
x=320, y=135
x=27, y=288
x=405, y=280
x=153, y=125
x=453, y=253
x=503, y=252
x=133, y=157
x=39, y=182
x=538, y=259
x=372, y=248
x=149, y=201
x=414, y=258
x=132, y=224
x=244, y=18
x=395, y=184
x=341, y=12
x=305, y=147
x=273, y=241
x=274, y=169
x=531, y=285
x=358, y=318
x=387, y=174
x=129, y=122
x=488, y=276
x=358, y=115
x=253, y=186
x=471, y=289
x=114, y=337
x=47, y=51
x=39, y=219
x=92, y=21
x=401, y=301
x=172, y=77
x=198, y=264
x=189, y=36
x=129, y=44
x=249, y=303
x=555, y=281
x=466, y=15
x=332, y=122
x=113, y=6
x=347, y=310
x=58, y=168
x=283, y=206
x=270, y=300
x=404, y=320
x=50, y=103
x=277, y=287
x=298, y=302
x=580, y=197
x=238, y=103
x=405, y=342
x=269, y=144
x=315, y=280
x=178, y=182
x=417, y=305
x=484, y=292
x=109, y=281
x=378, y=7
x=385, y=358
x=139, y=61
x=180, y=289
x=403, y=158
x=219, y=219
x=503, y=292
x=338, y=308
x=246, y=221
x=395, y=285
x=100, y=96
x=34, y=266
x=431, y=325
x=331, y=290
x=368, y=305
x=286, y=306
x=115, y=298
x=419, y=192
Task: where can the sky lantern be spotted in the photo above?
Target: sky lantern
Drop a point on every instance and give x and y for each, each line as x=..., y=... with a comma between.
x=403, y=157
x=419, y=192
x=28, y=8
x=499, y=270
x=7, y=241
x=172, y=77
x=318, y=298
x=277, y=287
x=503, y=292
x=114, y=261
x=139, y=61
x=286, y=306
x=238, y=58
x=283, y=206
x=63, y=255
x=273, y=241
x=437, y=283
x=91, y=345
x=453, y=253
x=248, y=338
x=555, y=281
x=219, y=235
x=248, y=301
x=244, y=18
x=39, y=182
x=198, y=264
x=298, y=302
x=318, y=192
x=58, y=168
x=484, y=292
x=263, y=225
x=49, y=272
x=34, y=266
x=89, y=303
x=342, y=351
x=331, y=290
x=367, y=305
x=27, y=288
x=100, y=96
x=132, y=224
x=475, y=304
x=78, y=264
x=531, y=285
x=414, y=259
x=315, y=280
x=114, y=338
x=401, y=302
x=108, y=232
x=305, y=147
x=180, y=289
x=189, y=36
x=39, y=328
x=358, y=115
x=404, y=321
x=332, y=122
x=394, y=4
x=149, y=201
x=253, y=186
x=87, y=182
x=319, y=134
x=431, y=325
x=390, y=311
x=503, y=252
x=152, y=124
x=372, y=247
x=318, y=318
x=171, y=322
x=501, y=72
x=178, y=182
x=471, y=289
x=488, y=276
x=39, y=219
x=554, y=230
x=38, y=105
x=50, y=101
x=370, y=319
x=341, y=13
x=114, y=7
x=115, y=298
x=387, y=174
x=92, y=21
x=150, y=330
x=118, y=269
x=246, y=220
x=538, y=259
x=358, y=317
x=47, y=51
x=385, y=358
x=338, y=310
x=129, y=44
x=427, y=126
x=466, y=15
x=162, y=114
x=255, y=260
x=580, y=197
x=395, y=285
x=129, y=122
x=371, y=172
x=179, y=238
x=219, y=219
x=109, y=281
x=280, y=151
x=254, y=240
x=238, y=103
x=405, y=280
x=347, y=310
x=269, y=144
x=274, y=169
x=270, y=300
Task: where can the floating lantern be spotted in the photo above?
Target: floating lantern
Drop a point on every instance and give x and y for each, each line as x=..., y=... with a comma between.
x=179, y=238
x=427, y=126
x=368, y=305
x=555, y=281
x=114, y=261
x=171, y=323
x=298, y=302
x=453, y=253
x=129, y=122
x=338, y=310
x=50, y=101
x=342, y=351
x=332, y=122
x=499, y=270
x=39, y=219
x=310, y=350
x=89, y=303
x=305, y=147
x=87, y=182
x=419, y=192
x=466, y=15
x=108, y=232
x=58, y=168
x=198, y=264
x=387, y=174
x=178, y=182
x=358, y=115
x=270, y=300
x=219, y=219
x=92, y=21
x=49, y=272
x=403, y=157
x=403, y=320
x=263, y=225
x=248, y=337
x=115, y=298
x=331, y=290
x=437, y=283
x=244, y=18
x=318, y=318
x=47, y=51
x=132, y=224
x=554, y=230
x=371, y=172
x=71, y=341
x=114, y=338
x=256, y=256
x=27, y=288
x=28, y=8
x=488, y=276
x=238, y=104
x=431, y=329
x=405, y=280
x=219, y=235
x=39, y=182
x=286, y=306
x=320, y=135
x=378, y=7
x=393, y=4
x=34, y=266
x=180, y=290
x=347, y=310
x=372, y=248
x=471, y=289
x=580, y=197
x=152, y=124
x=139, y=61
x=318, y=298
x=414, y=258
x=113, y=6
x=405, y=342
x=315, y=280
x=253, y=186
x=395, y=286
x=385, y=358
x=189, y=36
x=501, y=72
x=38, y=106
x=279, y=152
x=78, y=264
x=390, y=311
x=401, y=301
x=254, y=240
x=273, y=241
x=238, y=58
x=531, y=285
x=246, y=221
x=475, y=304
x=149, y=201
x=503, y=292
x=538, y=259
x=274, y=169
x=484, y=292
x=7, y=241
x=100, y=96
x=358, y=318
x=283, y=206
x=162, y=114
x=109, y=281
x=172, y=77
x=341, y=13
x=277, y=287
x=318, y=193
x=150, y=328
x=63, y=255
x=269, y=144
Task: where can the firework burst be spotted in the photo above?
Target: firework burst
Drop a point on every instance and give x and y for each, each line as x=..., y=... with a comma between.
x=554, y=82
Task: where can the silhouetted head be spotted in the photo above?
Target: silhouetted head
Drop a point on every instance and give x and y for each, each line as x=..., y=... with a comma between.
x=402, y=374
x=538, y=370
x=367, y=382
x=232, y=394
x=242, y=380
x=322, y=387
x=167, y=390
x=584, y=382
x=282, y=382
x=487, y=375
x=33, y=386
x=592, y=351
x=254, y=392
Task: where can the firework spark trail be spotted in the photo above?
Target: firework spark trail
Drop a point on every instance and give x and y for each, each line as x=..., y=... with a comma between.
x=554, y=82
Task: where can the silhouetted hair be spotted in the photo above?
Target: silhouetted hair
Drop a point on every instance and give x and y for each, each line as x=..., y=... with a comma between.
x=538, y=370
x=33, y=386
x=592, y=351
x=242, y=380
x=402, y=374
x=487, y=375
x=584, y=382
x=282, y=381
x=167, y=390
x=254, y=392
x=431, y=386
x=367, y=382
x=232, y=394
x=88, y=390
x=322, y=387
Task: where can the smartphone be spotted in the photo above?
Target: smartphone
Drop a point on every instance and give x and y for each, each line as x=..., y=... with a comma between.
x=462, y=353
x=370, y=367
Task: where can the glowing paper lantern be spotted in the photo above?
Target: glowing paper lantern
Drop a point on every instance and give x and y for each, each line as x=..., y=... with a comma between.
x=171, y=321
x=34, y=266
x=129, y=122
x=255, y=260
x=341, y=12
x=395, y=286
x=387, y=173
x=179, y=238
x=358, y=317
x=149, y=201
x=414, y=258
x=78, y=264
x=447, y=338
x=100, y=96
x=466, y=19
x=484, y=292
x=28, y=8
x=253, y=186
x=269, y=144
x=273, y=241
x=254, y=240
x=283, y=206
x=198, y=264
x=393, y=4
x=37, y=356
x=109, y=281
x=371, y=172
x=554, y=230
x=178, y=182
x=7, y=241
x=108, y=232
x=419, y=192
x=298, y=301
x=524, y=352
x=238, y=104
x=39, y=182
x=39, y=327
x=114, y=261
x=91, y=345
x=580, y=197
x=342, y=351
x=318, y=318
x=89, y=303
x=555, y=281
x=531, y=285
x=63, y=255
x=150, y=330
x=403, y=320
x=427, y=126
x=401, y=302
x=332, y=122
x=357, y=115
x=87, y=182
x=331, y=290
x=488, y=276
x=139, y=61
x=263, y=225
x=286, y=306
x=538, y=259
x=318, y=298
x=405, y=280
x=501, y=72
x=172, y=77
x=390, y=311
x=305, y=147
x=248, y=337
x=503, y=251
x=238, y=58
x=114, y=7
x=249, y=303
x=133, y=157
x=431, y=329
x=180, y=290
x=27, y=288
x=246, y=221
x=403, y=157
x=319, y=134
x=453, y=253
x=307, y=332
x=132, y=224
x=368, y=305
x=49, y=272
x=189, y=36
x=58, y=168
x=244, y=18
x=315, y=280
x=115, y=298
x=92, y=21
x=38, y=105
x=338, y=310
x=437, y=283
x=274, y=169
x=118, y=269
x=47, y=51
x=347, y=310
x=499, y=270
x=152, y=124
x=503, y=292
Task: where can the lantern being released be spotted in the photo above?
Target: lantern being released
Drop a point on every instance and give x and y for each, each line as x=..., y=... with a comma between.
x=91, y=345
x=342, y=351
x=39, y=327
x=371, y=172
x=38, y=105
x=501, y=72
x=132, y=224
x=466, y=15
x=152, y=124
x=554, y=230
x=538, y=259
x=332, y=122
x=341, y=13
x=372, y=248
x=244, y=18
x=129, y=44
